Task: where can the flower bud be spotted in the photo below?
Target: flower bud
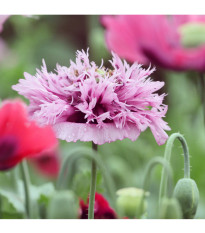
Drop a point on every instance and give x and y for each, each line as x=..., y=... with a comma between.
x=170, y=209
x=129, y=202
x=63, y=205
x=187, y=193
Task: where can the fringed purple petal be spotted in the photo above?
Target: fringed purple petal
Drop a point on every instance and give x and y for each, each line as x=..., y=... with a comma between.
x=90, y=103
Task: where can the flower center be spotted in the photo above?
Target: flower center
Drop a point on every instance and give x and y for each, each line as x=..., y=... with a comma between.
x=192, y=34
x=8, y=148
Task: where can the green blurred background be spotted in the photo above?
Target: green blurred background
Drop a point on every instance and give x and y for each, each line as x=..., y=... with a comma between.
x=56, y=39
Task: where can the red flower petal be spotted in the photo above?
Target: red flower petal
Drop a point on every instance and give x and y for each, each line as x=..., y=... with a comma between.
x=102, y=210
x=30, y=139
x=47, y=163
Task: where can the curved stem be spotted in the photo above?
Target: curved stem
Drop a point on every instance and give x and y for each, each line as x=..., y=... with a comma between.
x=186, y=157
x=150, y=166
x=66, y=172
x=154, y=162
x=92, y=186
x=167, y=156
x=26, y=183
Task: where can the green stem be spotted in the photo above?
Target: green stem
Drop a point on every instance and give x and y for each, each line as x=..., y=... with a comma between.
x=26, y=183
x=167, y=156
x=92, y=186
x=67, y=170
x=155, y=161
x=150, y=166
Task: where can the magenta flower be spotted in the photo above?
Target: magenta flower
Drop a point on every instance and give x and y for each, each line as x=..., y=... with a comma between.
x=156, y=38
x=102, y=208
x=90, y=103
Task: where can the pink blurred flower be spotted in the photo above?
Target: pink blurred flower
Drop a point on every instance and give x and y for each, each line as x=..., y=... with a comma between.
x=21, y=138
x=47, y=163
x=90, y=103
x=154, y=38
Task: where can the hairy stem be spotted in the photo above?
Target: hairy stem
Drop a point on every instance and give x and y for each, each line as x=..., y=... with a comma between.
x=167, y=156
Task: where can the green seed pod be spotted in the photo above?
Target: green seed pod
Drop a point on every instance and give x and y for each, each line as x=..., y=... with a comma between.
x=187, y=193
x=63, y=205
x=170, y=209
x=129, y=202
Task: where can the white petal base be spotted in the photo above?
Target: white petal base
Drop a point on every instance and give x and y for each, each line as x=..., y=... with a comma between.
x=71, y=132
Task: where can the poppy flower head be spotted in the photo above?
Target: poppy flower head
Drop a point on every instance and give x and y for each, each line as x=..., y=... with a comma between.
x=91, y=103
x=19, y=137
x=102, y=210
x=175, y=42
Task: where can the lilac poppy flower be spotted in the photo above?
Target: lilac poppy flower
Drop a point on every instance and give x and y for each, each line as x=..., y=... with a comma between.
x=90, y=103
